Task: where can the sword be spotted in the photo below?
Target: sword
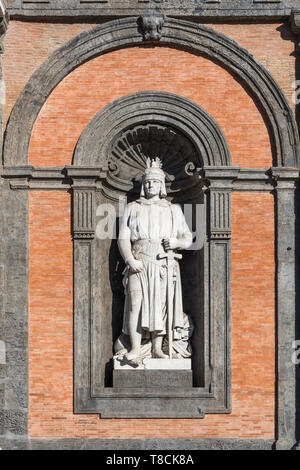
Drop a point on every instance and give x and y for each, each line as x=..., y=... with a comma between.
x=170, y=256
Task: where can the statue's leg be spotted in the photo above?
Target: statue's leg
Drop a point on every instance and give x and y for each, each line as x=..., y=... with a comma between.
x=157, y=351
x=134, y=328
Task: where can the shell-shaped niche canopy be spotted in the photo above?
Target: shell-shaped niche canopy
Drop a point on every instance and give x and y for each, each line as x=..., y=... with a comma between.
x=129, y=152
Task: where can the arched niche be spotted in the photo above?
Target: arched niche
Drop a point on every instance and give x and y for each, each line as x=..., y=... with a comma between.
x=114, y=148
x=186, y=136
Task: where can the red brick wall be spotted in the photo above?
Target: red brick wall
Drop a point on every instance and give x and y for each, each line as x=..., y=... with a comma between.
x=51, y=330
x=62, y=119
x=27, y=45
x=106, y=78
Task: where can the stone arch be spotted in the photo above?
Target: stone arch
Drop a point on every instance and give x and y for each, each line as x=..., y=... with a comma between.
x=175, y=33
x=153, y=107
x=149, y=124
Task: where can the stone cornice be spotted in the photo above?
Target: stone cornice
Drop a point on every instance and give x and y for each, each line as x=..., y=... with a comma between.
x=285, y=178
x=30, y=177
x=234, y=179
x=214, y=9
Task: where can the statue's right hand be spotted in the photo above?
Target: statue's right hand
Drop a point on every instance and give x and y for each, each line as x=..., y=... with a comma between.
x=135, y=265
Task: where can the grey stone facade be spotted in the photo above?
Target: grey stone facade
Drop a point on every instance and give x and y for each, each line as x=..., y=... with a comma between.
x=85, y=180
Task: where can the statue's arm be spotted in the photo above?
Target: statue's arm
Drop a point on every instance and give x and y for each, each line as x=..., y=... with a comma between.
x=185, y=241
x=124, y=244
x=125, y=249
x=185, y=238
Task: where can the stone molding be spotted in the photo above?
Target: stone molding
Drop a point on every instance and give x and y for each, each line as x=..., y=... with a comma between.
x=136, y=444
x=152, y=107
x=193, y=127
x=176, y=33
x=220, y=9
x=234, y=178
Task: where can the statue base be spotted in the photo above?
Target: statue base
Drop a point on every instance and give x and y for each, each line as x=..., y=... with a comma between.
x=153, y=373
x=155, y=364
x=149, y=379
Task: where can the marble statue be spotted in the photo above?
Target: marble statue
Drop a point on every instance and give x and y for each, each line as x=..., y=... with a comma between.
x=152, y=230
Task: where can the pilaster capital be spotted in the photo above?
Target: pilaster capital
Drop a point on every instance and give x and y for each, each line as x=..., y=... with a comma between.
x=285, y=177
x=220, y=178
x=85, y=177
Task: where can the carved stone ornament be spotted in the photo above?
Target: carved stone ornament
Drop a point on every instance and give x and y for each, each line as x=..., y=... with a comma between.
x=152, y=26
x=130, y=150
x=129, y=130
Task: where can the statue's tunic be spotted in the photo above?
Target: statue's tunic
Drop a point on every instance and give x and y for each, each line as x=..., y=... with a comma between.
x=147, y=223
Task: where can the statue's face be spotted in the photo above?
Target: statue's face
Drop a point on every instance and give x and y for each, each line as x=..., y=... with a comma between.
x=152, y=187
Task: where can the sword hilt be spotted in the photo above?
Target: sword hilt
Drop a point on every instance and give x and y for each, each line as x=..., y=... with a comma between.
x=169, y=255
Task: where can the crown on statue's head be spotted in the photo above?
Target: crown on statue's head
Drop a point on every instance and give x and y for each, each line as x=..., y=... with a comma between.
x=154, y=163
x=154, y=170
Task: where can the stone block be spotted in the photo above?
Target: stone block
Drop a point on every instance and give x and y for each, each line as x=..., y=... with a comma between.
x=153, y=379
x=156, y=364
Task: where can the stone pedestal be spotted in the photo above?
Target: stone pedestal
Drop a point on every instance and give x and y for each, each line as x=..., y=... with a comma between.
x=155, y=364
x=154, y=373
x=150, y=379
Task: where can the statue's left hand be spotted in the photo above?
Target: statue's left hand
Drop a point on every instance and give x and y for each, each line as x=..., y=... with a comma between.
x=135, y=265
x=171, y=244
